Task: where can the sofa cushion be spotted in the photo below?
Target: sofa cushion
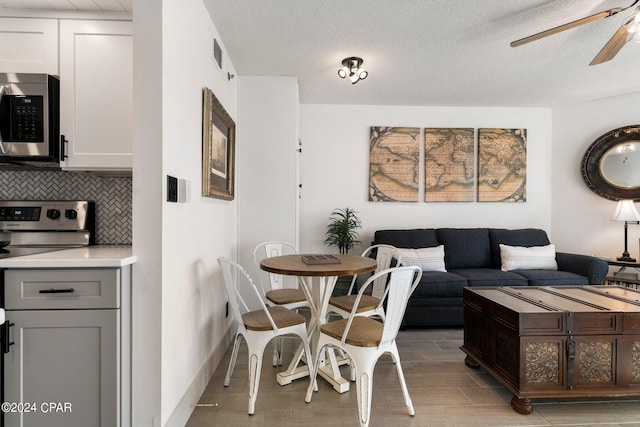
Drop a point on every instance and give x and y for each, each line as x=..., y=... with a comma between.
x=428, y=259
x=491, y=277
x=436, y=284
x=528, y=258
x=465, y=247
x=552, y=278
x=521, y=237
x=416, y=238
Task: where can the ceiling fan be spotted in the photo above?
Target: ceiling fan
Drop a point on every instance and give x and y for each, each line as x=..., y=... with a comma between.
x=629, y=31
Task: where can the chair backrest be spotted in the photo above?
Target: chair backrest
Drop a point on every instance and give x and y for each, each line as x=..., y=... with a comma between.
x=385, y=256
x=233, y=275
x=400, y=282
x=271, y=281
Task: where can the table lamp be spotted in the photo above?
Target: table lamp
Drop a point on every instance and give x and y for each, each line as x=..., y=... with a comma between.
x=626, y=211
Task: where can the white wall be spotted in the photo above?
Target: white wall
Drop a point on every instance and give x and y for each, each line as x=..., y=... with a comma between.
x=335, y=169
x=582, y=219
x=179, y=296
x=266, y=175
x=194, y=234
x=147, y=212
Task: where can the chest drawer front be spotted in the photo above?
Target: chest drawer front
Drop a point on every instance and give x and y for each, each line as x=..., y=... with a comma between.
x=50, y=289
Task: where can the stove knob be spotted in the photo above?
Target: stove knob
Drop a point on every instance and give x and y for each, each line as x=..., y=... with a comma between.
x=71, y=213
x=53, y=214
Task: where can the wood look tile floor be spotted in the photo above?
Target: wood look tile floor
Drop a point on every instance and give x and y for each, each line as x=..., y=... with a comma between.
x=444, y=392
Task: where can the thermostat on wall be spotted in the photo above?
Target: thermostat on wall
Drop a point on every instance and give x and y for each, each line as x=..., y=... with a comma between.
x=172, y=189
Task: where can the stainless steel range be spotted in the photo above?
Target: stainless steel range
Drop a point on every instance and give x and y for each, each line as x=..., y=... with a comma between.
x=33, y=226
x=29, y=227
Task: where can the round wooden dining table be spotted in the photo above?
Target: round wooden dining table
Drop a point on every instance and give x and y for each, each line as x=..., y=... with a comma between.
x=317, y=282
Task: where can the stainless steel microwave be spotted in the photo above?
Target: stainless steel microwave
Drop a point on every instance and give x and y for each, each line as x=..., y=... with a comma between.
x=29, y=117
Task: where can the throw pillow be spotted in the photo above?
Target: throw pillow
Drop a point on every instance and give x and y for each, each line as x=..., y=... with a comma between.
x=428, y=259
x=528, y=258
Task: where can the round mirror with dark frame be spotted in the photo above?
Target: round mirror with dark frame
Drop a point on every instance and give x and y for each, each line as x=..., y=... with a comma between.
x=611, y=165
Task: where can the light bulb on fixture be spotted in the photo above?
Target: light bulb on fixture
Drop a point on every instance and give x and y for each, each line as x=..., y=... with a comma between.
x=352, y=68
x=632, y=26
x=634, y=37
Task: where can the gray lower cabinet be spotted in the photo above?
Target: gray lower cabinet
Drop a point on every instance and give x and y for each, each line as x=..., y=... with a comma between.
x=69, y=363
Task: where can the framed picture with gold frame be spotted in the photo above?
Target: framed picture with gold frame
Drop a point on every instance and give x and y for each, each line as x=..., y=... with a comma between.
x=218, y=148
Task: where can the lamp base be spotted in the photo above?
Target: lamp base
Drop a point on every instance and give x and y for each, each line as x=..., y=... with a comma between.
x=626, y=259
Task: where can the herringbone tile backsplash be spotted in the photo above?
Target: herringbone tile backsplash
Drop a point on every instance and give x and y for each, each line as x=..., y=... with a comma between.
x=112, y=197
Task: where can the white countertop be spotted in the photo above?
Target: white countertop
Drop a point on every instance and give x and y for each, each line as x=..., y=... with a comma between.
x=85, y=257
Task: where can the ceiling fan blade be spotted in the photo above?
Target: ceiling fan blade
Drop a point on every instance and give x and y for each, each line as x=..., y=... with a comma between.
x=565, y=27
x=612, y=47
x=573, y=24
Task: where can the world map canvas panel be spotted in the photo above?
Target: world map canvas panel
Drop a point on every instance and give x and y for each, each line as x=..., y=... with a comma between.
x=394, y=154
x=502, y=165
x=449, y=160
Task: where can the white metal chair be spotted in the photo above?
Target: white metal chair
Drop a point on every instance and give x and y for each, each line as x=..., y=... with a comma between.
x=369, y=305
x=365, y=339
x=257, y=327
x=273, y=286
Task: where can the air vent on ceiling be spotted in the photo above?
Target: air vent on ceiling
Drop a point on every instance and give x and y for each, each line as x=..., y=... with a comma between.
x=217, y=53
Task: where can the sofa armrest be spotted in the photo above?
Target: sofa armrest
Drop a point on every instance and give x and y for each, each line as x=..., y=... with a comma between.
x=591, y=267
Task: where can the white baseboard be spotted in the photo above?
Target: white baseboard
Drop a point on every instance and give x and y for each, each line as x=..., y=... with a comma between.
x=185, y=406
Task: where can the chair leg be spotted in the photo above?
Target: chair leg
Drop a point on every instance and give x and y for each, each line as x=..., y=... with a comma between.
x=255, y=367
x=364, y=391
x=277, y=351
x=407, y=399
x=280, y=350
x=232, y=362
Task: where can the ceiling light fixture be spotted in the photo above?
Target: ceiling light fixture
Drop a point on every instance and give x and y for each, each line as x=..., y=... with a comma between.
x=632, y=26
x=352, y=68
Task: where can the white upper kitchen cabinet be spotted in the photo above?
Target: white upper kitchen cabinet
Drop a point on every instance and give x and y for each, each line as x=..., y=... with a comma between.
x=29, y=45
x=96, y=95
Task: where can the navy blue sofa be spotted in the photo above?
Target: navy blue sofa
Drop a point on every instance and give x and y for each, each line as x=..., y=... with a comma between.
x=472, y=258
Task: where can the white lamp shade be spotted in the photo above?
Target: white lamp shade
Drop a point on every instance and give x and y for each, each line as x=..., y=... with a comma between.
x=626, y=211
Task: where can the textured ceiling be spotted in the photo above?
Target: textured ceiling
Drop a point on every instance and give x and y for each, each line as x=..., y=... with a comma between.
x=418, y=52
x=430, y=52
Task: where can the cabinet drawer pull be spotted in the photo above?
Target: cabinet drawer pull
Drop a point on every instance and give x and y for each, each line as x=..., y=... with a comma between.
x=63, y=147
x=57, y=291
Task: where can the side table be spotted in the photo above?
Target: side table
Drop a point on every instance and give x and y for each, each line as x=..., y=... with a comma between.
x=622, y=277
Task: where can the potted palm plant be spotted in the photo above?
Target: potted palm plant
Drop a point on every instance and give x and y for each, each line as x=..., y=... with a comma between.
x=342, y=232
x=342, y=229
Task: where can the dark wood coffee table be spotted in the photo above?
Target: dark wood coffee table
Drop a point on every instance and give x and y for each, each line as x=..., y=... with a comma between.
x=561, y=341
